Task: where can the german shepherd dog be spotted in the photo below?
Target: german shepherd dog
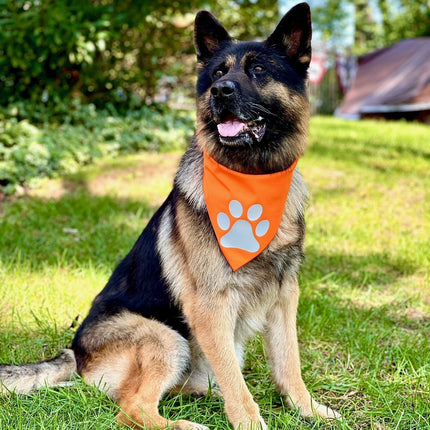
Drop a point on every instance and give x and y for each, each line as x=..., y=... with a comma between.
x=174, y=315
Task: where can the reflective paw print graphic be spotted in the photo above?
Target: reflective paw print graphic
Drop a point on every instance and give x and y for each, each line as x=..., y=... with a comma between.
x=242, y=233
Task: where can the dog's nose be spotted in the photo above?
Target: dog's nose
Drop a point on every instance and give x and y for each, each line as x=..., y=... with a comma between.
x=223, y=89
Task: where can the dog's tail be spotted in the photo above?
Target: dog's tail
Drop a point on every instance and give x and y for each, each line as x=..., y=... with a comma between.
x=29, y=377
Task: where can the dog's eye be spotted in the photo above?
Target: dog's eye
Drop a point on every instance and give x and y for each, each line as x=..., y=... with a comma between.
x=258, y=68
x=218, y=73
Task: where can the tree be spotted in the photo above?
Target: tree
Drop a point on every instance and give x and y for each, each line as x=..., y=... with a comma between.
x=108, y=50
x=401, y=19
x=409, y=18
x=99, y=49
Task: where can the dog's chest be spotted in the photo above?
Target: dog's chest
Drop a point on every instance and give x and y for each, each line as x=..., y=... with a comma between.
x=254, y=294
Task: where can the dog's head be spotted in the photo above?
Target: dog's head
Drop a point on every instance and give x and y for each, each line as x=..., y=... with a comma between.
x=252, y=109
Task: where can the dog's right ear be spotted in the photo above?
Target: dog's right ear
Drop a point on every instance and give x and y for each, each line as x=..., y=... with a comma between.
x=209, y=34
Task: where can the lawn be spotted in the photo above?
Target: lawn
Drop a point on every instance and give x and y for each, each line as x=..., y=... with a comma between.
x=364, y=315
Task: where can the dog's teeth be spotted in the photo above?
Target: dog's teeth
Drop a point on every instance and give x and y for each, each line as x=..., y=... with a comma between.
x=256, y=121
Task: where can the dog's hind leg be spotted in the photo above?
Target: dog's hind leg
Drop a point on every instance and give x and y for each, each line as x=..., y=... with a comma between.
x=283, y=350
x=138, y=374
x=150, y=376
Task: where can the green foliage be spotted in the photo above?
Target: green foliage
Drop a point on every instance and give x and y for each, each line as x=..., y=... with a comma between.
x=409, y=19
x=398, y=20
x=118, y=52
x=74, y=76
x=246, y=19
x=48, y=48
x=31, y=149
x=104, y=51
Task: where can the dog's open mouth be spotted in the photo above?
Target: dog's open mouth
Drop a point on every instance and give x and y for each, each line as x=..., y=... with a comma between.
x=234, y=130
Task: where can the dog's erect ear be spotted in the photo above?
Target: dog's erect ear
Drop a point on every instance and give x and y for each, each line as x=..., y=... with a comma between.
x=293, y=36
x=209, y=34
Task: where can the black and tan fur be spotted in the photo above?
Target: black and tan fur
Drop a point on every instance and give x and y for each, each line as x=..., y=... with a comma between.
x=174, y=315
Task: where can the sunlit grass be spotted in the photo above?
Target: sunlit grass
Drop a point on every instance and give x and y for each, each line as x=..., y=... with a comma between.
x=364, y=315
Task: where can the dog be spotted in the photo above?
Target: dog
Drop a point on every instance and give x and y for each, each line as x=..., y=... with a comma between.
x=201, y=279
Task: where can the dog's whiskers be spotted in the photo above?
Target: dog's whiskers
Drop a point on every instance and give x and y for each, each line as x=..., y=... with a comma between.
x=257, y=108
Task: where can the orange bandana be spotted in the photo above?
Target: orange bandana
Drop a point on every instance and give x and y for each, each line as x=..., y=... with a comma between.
x=245, y=210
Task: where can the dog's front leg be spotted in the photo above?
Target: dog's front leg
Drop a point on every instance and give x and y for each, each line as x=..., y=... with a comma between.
x=283, y=350
x=212, y=321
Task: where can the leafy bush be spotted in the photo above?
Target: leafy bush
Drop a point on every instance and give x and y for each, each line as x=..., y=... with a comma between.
x=103, y=51
x=34, y=144
x=108, y=51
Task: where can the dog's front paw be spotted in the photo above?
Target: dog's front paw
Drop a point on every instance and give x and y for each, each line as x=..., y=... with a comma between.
x=308, y=407
x=188, y=425
x=318, y=410
x=252, y=425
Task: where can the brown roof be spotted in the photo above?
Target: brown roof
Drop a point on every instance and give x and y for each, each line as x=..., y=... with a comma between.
x=392, y=79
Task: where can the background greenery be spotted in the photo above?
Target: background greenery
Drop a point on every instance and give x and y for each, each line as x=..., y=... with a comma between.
x=364, y=315
x=76, y=77
x=109, y=50
x=47, y=142
x=125, y=51
x=375, y=24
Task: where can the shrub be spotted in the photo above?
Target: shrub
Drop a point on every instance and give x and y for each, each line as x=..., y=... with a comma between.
x=34, y=143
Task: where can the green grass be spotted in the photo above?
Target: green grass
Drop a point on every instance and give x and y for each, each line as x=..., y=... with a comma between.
x=364, y=315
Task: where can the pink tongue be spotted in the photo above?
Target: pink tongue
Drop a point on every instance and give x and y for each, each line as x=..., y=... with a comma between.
x=231, y=128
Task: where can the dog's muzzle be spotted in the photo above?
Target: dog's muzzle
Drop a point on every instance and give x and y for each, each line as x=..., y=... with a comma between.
x=233, y=127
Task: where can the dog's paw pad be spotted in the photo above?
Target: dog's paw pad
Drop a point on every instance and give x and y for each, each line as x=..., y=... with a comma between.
x=242, y=235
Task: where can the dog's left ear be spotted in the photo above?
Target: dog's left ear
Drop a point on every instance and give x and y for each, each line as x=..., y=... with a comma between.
x=209, y=34
x=293, y=35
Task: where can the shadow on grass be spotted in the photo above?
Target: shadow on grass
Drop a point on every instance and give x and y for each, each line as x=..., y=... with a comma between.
x=76, y=228
x=80, y=227
x=361, y=144
x=93, y=216
x=389, y=160
x=358, y=271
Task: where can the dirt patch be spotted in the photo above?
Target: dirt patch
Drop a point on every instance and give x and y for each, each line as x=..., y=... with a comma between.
x=146, y=172
x=126, y=176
